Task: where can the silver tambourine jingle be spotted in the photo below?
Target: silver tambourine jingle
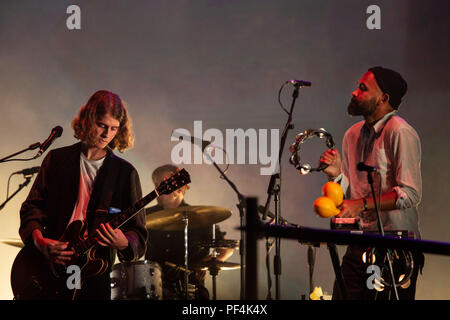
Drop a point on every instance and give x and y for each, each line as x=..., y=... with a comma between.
x=301, y=138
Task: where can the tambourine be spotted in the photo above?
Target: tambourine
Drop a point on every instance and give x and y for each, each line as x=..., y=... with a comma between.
x=301, y=138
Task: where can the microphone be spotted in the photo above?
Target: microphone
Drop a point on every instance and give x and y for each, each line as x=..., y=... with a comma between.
x=364, y=167
x=56, y=133
x=28, y=172
x=300, y=83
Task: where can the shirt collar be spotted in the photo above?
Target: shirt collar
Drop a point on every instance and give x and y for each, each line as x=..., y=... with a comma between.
x=379, y=125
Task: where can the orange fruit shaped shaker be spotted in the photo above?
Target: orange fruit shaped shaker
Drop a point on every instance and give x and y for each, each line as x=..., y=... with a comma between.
x=333, y=191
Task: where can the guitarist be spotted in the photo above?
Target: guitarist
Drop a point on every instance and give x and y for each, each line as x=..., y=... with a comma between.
x=87, y=181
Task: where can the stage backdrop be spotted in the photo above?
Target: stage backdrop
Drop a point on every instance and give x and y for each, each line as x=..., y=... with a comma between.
x=222, y=63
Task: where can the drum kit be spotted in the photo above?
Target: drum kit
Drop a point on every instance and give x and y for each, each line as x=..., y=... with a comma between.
x=142, y=279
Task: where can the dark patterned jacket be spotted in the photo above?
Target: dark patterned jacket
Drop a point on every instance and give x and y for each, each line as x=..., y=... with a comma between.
x=52, y=199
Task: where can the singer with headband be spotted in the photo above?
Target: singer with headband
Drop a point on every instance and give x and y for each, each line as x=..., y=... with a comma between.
x=386, y=147
x=83, y=183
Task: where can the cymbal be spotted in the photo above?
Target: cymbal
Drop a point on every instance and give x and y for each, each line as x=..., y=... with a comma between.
x=220, y=265
x=13, y=242
x=198, y=217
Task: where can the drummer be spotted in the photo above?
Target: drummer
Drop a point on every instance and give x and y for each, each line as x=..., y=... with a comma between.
x=167, y=247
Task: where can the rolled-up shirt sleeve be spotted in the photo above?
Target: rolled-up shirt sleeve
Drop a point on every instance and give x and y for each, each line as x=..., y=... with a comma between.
x=343, y=181
x=407, y=155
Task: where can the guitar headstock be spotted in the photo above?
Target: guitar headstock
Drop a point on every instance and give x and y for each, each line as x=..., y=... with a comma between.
x=175, y=182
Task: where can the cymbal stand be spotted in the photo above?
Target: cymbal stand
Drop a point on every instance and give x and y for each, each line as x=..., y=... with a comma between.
x=186, y=274
x=213, y=270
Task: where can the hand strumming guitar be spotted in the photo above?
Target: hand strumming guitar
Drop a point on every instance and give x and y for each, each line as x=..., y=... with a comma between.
x=54, y=250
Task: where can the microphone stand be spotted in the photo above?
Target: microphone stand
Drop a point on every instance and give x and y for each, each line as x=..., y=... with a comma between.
x=274, y=190
x=311, y=261
x=31, y=147
x=21, y=186
x=240, y=206
x=381, y=230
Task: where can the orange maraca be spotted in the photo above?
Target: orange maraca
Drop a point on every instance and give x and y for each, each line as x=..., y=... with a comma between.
x=326, y=206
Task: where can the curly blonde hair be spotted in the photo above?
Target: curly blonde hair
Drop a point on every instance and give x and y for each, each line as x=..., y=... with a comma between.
x=99, y=104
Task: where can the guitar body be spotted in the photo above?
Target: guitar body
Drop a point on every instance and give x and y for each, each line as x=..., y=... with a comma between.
x=33, y=276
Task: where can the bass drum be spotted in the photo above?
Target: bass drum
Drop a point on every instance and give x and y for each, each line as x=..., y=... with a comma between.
x=139, y=280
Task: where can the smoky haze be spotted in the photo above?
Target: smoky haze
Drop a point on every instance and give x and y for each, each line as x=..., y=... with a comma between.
x=223, y=62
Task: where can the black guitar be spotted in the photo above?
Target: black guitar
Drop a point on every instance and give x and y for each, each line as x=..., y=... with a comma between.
x=35, y=277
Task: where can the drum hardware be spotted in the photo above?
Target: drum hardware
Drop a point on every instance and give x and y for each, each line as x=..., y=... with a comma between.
x=219, y=244
x=176, y=285
x=187, y=218
x=214, y=271
x=177, y=267
x=214, y=266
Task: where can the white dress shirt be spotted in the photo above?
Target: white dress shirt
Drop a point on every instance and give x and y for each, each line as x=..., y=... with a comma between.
x=393, y=146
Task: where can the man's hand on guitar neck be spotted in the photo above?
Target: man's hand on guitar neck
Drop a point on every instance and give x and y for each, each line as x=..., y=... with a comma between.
x=109, y=237
x=54, y=250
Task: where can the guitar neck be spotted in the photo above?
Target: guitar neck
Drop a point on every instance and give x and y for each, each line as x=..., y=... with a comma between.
x=118, y=221
x=179, y=179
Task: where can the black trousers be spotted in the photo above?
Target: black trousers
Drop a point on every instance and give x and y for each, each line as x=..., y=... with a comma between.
x=356, y=275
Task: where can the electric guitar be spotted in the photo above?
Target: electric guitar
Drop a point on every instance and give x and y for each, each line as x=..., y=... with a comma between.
x=33, y=276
